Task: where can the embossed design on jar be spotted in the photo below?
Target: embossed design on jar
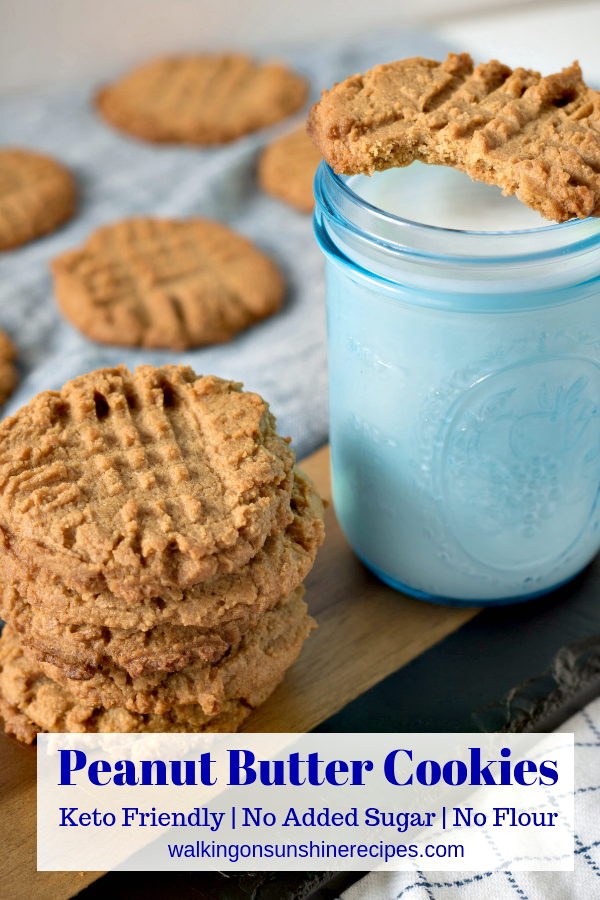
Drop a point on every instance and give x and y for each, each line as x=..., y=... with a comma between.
x=373, y=360
x=517, y=462
x=371, y=431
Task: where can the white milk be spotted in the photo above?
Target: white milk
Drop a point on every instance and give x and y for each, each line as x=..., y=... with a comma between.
x=464, y=385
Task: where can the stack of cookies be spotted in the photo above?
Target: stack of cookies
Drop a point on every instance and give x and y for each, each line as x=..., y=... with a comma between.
x=155, y=534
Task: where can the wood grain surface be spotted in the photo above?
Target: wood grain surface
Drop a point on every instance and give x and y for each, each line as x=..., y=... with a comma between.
x=19, y=878
x=366, y=631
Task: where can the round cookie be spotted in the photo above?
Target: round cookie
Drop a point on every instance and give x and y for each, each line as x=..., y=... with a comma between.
x=201, y=99
x=262, y=656
x=31, y=703
x=36, y=196
x=286, y=169
x=79, y=651
x=79, y=634
x=166, y=283
x=8, y=372
x=282, y=563
x=138, y=483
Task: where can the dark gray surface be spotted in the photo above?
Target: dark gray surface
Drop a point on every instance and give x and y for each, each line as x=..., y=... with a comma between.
x=449, y=687
x=217, y=886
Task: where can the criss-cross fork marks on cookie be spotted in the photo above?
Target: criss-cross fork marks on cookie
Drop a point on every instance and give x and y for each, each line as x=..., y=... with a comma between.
x=201, y=99
x=142, y=482
x=154, y=534
x=538, y=138
x=166, y=283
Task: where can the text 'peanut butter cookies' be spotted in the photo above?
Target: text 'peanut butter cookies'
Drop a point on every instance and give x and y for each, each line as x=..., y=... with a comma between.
x=31, y=703
x=142, y=482
x=261, y=657
x=8, y=371
x=201, y=99
x=538, y=138
x=287, y=167
x=82, y=633
x=166, y=283
x=36, y=196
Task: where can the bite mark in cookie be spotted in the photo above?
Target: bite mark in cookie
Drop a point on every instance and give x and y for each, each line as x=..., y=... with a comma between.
x=538, y=138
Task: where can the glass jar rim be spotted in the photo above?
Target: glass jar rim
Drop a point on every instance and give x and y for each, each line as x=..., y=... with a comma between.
x=356, y=216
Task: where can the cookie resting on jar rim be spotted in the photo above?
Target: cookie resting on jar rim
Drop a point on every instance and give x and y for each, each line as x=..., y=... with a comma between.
x=464, y=378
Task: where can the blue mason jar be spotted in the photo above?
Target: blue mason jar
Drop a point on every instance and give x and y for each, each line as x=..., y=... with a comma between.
x=464, y=378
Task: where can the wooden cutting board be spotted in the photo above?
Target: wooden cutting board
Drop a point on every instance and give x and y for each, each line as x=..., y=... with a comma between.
x=366, y=632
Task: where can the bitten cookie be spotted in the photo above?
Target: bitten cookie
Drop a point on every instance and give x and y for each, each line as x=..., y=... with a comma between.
x=31, y=703
x=538, y=138
x=80, y=634
x=142, y=482
x=36, y=196
x=262, y=656
x=287, y=167
x=201, y=99
x=166, y=283
x=8, y=371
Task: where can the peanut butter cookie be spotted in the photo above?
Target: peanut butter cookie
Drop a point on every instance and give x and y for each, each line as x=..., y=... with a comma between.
x=201, y=99
x=262, y=656
x=8, y=371
x=80, y=633
x=138, y=483
x=287, y=167
x=79, y=651
x=166, y=283
x=538, y=138
x=36, y=196
x=31, y=703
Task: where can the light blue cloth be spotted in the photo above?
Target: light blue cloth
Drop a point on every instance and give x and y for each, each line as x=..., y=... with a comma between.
x=283, y=358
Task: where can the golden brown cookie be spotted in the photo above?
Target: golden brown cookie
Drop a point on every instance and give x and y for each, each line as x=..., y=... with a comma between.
x=142, y=482
x=31, y=703
x=79, y=634
x=282, y=563
x=8, y=371
x=538, y=138
x=262, y=656
x=286, y=169
x=36, y=196
x=80, y=650
x=166, y=283
x=201, y=99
